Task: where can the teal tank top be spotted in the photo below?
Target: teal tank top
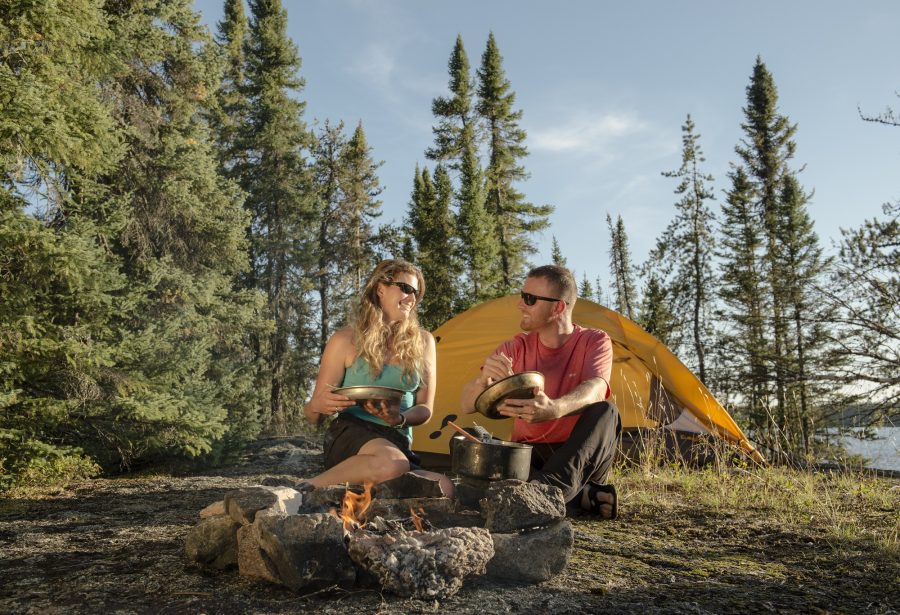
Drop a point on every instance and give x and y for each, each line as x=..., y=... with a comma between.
x=391, y=376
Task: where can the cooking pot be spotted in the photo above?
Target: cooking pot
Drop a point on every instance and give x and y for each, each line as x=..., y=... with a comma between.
x=489, y=460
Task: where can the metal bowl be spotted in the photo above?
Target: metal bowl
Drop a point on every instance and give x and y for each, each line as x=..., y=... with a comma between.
x=375, y=393
x=517, y=386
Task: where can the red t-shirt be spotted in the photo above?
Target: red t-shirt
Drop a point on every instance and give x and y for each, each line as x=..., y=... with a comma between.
x=586, y=354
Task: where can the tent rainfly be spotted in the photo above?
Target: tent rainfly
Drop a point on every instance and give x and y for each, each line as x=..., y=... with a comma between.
x=650, y=386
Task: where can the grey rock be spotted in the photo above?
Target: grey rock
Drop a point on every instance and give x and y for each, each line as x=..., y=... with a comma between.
x=278, y=481
x=423, y=564
x=512, y=505
x=252, y=560
x=307, y=551
x=287, y=500
x=212, y=543
x=243, y=504
x=323, y=500
x=410, y=485
x=533, y=556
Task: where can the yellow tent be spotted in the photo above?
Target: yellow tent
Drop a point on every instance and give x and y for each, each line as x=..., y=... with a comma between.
x=650, y=386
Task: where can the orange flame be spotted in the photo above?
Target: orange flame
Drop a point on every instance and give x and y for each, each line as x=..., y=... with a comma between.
x=416, y=519
x=354, y=506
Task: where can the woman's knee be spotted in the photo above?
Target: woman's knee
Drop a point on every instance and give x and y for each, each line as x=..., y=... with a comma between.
x=385, y=468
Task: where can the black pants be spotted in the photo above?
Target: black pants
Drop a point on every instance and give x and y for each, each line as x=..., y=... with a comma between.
x=586, y=456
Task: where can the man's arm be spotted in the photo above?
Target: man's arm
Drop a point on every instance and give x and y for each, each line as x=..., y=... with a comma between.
x=541, y=408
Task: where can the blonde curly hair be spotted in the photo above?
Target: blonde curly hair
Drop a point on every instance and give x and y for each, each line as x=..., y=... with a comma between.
x=375, y=340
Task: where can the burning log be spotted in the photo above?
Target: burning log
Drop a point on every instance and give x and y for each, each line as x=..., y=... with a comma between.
x=422, y=564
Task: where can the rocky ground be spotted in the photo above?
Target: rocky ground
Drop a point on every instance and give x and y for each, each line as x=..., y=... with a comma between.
x=116, y=546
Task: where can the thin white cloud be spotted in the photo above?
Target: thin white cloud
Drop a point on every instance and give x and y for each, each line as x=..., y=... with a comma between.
x=586, y=134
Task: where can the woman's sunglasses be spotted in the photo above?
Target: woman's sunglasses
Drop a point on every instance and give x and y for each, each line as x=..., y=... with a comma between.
x=530, y=299
x=406, y=288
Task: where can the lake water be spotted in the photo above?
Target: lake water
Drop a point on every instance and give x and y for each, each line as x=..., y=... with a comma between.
x=882, y=453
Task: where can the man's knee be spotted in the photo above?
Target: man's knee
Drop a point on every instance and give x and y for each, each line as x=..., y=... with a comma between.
x=603, y=415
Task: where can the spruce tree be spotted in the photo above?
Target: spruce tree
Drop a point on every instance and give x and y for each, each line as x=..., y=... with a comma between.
x=515, y=218
x=360, y=206
x=585, y=290
x=684, y=253
x=655, y=315
x=454, y=113
x=182, y=365
x=433, y=228
x=790, y=246
x=744, y=342
x=330, y=247
x=809, y=353
x=281, y=201
x=229, y=113
x=621, y=269
x=58, y=284
x=478, y=247
x=556, y=256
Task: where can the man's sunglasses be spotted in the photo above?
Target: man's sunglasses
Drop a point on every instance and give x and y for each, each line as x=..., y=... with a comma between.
x=530, y=299
x=406, y=288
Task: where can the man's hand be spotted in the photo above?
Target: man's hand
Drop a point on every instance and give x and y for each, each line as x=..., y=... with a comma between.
x=496, y=367
x=536, y=410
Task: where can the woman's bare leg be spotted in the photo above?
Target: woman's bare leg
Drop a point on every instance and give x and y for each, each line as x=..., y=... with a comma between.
x=377, y=461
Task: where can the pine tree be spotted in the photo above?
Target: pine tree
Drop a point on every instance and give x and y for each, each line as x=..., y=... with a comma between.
x=685, y=252
x=865, y=290
x=621, y=269
x=281, y=201
x=556, y=256
x=515, y=219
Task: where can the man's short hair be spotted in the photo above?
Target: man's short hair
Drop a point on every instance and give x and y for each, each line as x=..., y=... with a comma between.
x=561, y=278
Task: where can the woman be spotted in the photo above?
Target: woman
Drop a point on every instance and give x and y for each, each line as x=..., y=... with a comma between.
x=384, y=346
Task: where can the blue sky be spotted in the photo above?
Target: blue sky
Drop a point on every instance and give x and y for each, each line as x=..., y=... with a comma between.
x=605, y=88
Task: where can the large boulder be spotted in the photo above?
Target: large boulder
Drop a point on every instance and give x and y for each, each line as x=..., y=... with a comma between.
x=512, y=505
x=532, y=556
x=212, y=543
x=306, y=551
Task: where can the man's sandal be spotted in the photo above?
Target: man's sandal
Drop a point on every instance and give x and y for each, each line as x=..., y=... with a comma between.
x=596, y=505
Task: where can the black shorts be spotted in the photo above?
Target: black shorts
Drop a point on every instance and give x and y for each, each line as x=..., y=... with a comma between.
x=347, y=434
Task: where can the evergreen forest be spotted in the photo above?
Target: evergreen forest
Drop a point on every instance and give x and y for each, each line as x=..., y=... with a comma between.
x=178, y=242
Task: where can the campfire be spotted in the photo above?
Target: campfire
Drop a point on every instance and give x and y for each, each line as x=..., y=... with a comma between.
x=404, y=536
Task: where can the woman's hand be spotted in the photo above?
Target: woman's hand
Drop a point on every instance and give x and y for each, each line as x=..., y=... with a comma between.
x=324, y=401
x=331, y=403
x=387, y=411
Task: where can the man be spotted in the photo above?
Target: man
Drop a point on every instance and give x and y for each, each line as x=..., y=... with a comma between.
x=571, y=426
